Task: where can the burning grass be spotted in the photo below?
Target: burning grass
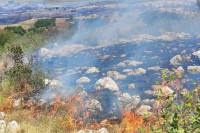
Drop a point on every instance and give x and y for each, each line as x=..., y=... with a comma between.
x=65, y=115
x=131, y=121
x=76, y=112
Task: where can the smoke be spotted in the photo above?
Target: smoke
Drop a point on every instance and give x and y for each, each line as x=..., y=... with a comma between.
x=121, y=22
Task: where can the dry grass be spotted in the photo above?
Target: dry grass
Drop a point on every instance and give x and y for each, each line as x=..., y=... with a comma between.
x=25, y=24
x=60, y=23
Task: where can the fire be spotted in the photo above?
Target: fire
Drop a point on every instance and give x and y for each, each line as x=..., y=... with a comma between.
x=94, y=125
x=8, y=104
x=56, y=105
x=67, y=123
x=131, y=121
x=73, y=115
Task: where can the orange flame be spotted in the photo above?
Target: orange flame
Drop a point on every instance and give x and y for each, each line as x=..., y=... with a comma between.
x=55, y=106
x=131, y=121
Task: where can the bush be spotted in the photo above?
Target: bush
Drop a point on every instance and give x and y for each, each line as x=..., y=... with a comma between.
x=16, y=29
x=4, y=37
x=45, y=23
x=36, y=30
x=16, y=53
x=37, y=79
x=23, y=78
x=180, y=111
x=19, y=75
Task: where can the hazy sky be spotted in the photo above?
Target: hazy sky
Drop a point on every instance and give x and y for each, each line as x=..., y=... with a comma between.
x=53, y=1
x=57, y=2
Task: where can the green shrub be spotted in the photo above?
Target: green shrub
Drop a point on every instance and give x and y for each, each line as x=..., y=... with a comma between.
x=16, y=53
x=178, y=112
x=4, y=37
x=16, y=29
x=19, y=75
x=45, y=23
x=37, y=79
x=36, y=30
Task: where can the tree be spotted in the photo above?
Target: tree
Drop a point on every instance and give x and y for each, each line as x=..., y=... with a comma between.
x=16, y=53
x=16, y=29
x=4, y=37
x=45, y=23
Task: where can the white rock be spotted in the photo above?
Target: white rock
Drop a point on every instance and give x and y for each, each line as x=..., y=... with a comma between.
x=176, y=60
x=125, y=101
x=138, y=72
x=106, y=83
x=81, y=131
x=13, y=126
x=102, y=130
x=53, y=83
x=83, y=94
x=120, y=77
x=186, y=58
x=155, y=68
x=93, y=106
x=116, y=75
x=92, y=70
x=167, y=91
x=183, y=52
x=144, y=109
x=105, y=57
x=196, y=55
x=148, y=102
x=147, y=107
x=127, y=70
x=133, y=63
x=123, y=55
x=44, y=51
x=150, y=92
x=122, y=64
x=179, y=70
x=2, y=125
x=131, y=86
x=16, y=103
x=193, y=69
x=2, y=115
x=41, y=102
x=83, y=80
x=185, y=91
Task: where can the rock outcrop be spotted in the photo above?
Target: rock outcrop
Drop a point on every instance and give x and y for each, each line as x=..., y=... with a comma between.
x=179, y=70
x=155, y=68
x=196, y=56
x=106, y=83
x=92, y=70
x=116, y=75
x=137, y=72
x=93, y=106
x=125, y=101
x=193, y=69
x=131, y=86
x=2, y=125
x=176, y=60
x=83, y=80
x=143, y=110
x=133, y=63
x=102, y=130
x=13, y=127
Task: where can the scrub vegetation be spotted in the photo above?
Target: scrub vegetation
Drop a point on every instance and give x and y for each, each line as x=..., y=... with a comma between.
x=177, y=112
